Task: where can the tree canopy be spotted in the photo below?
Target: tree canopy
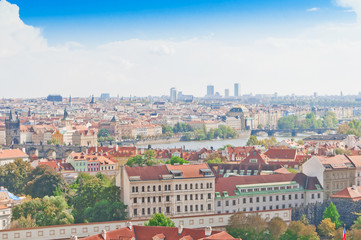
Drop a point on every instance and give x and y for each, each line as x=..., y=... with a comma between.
x=176, y=160
x=44, y=181
x=14, y=176
x=44, y=211
x=93, y=193
x=147, y=159
x=159, y=219
x=332, y=213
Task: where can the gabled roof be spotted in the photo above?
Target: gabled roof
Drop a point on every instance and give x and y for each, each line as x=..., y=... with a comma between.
x=353, y=193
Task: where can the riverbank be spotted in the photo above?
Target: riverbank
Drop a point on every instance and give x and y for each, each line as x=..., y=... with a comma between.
x=197, y=145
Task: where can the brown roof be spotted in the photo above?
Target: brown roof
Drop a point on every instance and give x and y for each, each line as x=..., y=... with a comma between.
x=147, y=173
x=229, y=184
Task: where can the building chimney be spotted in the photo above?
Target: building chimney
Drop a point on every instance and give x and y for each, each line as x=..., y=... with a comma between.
x=104, y=234
x=208, y=231
x=130, y=226
x=180, y=229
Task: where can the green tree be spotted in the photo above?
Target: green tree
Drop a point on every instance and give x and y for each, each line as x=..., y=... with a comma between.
x=149, y=157
x=167, y=130
x=44, y=181
x=330, y=120
x=332, y=213
x=105, y=211
x=46, y=211
x=103, y=132
x=326, y=228
x=288, y=122
x=173, y=160
x=159, y=219
x=136, y=160
x=14, y=176
x=91, y=190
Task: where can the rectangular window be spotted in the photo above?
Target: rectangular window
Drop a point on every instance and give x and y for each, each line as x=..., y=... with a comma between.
x=167, y=198
x=227, y=203
x=178, y=208
x=134, y=200
x=135, y=212
x=167, y=209
x=178, y=197
x=209, y=207
x=209, y=196
x=257, y=199
x=159, y=199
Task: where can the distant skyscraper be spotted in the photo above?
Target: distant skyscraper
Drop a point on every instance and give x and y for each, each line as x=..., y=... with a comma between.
x=236, y=89
x=226, y=92
x=210, y=90
x=104, y=96
x=173, y=94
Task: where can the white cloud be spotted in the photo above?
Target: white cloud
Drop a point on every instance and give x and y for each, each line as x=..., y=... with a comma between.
x=322, y=59
x=355, y=5
x=314, y=9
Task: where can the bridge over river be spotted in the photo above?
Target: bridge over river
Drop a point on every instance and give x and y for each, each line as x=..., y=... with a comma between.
x=49, y=151
x=293, y=132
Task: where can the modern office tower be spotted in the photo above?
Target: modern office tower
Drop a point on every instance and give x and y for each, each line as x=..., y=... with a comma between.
x=236, y=88
x=226, y=92
x=173, y=95
x=210, y=91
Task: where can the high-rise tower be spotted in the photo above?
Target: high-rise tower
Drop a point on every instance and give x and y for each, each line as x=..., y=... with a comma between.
x=236, y=89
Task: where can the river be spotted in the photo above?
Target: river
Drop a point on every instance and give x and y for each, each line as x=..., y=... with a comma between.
x=197, y=145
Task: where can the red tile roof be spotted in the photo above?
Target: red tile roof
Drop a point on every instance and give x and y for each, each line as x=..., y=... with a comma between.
x=147, y=173
x=353, y=193
x=12, y=154
x=169, y=233
x=281, y=153
x=189, y=171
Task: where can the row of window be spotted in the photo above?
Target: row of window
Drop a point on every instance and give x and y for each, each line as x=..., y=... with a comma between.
x=187, y=208
x=167, y=199
x=270, y=199
x=269, y=188
x=191, y=197
x=149, y=188
x=179, y=186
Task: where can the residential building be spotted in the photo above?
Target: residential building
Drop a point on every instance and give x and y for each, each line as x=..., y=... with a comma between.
x=7, y=201
x=85, y=138
x=266, y=192
x=334, y=173
x=175, y=190
x=9, y=156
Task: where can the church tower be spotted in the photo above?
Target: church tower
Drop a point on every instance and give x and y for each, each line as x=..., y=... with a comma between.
x=12, y=126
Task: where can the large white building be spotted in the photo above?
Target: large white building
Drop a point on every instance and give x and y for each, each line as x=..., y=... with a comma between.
x=175, y=190
x=266, y=192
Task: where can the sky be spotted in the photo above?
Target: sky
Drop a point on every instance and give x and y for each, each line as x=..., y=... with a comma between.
x=143, y=48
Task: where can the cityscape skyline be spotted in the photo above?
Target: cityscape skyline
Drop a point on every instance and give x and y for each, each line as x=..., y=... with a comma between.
x=259, y=49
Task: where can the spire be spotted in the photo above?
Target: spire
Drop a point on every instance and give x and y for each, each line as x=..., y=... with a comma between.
x=92, y=101
x=113, y=119
x=29, y=113
x=11, y=115
x=70, y=100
